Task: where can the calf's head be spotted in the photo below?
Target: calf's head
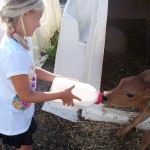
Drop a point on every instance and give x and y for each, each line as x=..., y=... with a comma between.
x=131, y=91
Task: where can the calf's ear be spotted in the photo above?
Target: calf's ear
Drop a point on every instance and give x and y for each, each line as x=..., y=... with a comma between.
x=145, y=75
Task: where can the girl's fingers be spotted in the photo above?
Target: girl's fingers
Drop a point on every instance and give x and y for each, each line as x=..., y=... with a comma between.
x=73, y=97
x=72, y=104
x=68, y=104
x=72, y=87
x=77, y=98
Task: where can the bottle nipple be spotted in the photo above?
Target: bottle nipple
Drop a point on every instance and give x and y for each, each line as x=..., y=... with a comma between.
x=102, y=97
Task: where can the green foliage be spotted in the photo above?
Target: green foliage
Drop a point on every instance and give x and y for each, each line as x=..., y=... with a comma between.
x=51, y=51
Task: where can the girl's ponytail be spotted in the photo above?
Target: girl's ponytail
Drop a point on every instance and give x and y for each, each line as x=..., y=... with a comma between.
x=17, y=37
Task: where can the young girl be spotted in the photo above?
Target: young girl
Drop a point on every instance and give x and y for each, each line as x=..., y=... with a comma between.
x=18, y=74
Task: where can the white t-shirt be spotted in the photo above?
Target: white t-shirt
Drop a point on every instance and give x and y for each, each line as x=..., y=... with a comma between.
x=15, y=114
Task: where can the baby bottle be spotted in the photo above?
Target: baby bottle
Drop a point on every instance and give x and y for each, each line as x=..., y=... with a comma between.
x=87, y=93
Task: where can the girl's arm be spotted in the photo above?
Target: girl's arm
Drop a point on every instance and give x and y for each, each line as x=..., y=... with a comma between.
x=45, y=75
x=21, y=84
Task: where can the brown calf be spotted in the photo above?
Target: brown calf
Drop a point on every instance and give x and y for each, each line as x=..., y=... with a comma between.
x=132, y=91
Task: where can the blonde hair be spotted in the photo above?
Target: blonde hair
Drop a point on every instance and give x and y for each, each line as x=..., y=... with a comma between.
x=12, y=10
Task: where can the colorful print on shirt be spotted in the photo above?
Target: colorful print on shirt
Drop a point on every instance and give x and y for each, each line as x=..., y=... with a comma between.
x=19, y=104
x=32, y=78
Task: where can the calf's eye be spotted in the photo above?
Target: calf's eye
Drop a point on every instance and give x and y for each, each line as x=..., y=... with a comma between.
x=130, y=95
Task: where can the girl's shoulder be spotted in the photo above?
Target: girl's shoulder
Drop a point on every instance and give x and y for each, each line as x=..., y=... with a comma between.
x=9, y=46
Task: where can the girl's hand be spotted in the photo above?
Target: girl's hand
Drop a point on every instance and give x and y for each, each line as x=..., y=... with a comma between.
x=68, y=97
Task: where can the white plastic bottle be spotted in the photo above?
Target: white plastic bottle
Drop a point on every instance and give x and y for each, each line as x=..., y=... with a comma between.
x=87, y=93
